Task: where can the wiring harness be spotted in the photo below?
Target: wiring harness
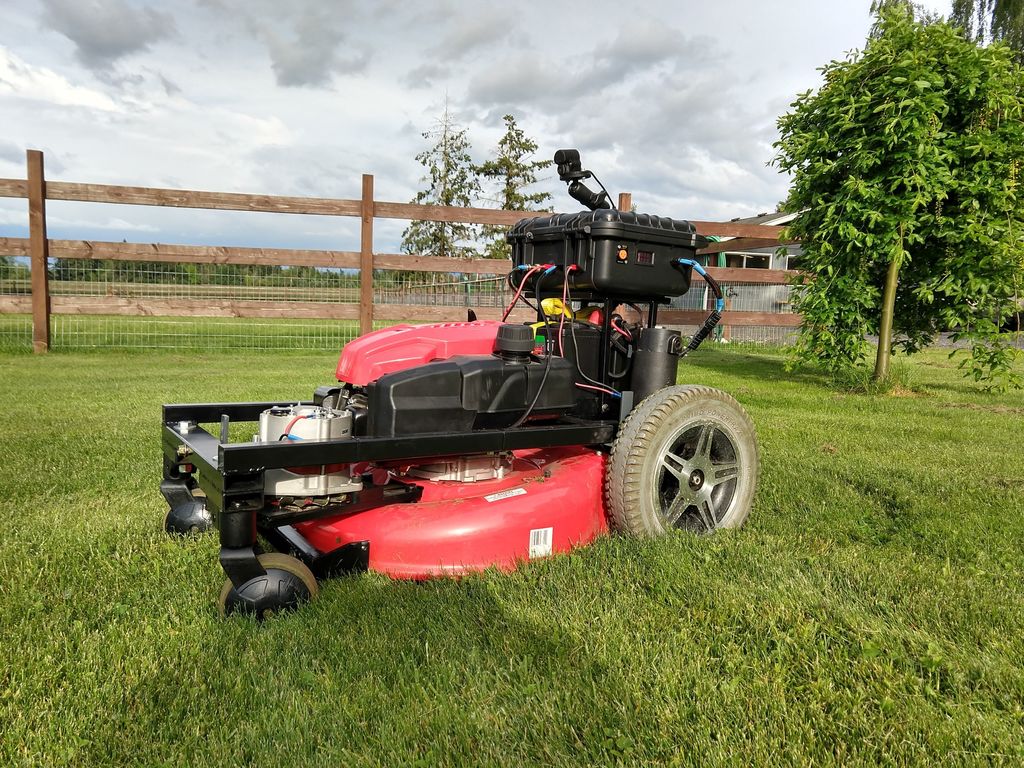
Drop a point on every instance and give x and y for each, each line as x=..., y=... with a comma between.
x=716, y=314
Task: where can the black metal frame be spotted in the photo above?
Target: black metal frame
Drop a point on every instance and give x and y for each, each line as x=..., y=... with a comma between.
x=231, y=475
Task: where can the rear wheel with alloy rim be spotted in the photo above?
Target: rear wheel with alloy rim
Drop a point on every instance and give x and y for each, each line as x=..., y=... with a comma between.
x=685, y=458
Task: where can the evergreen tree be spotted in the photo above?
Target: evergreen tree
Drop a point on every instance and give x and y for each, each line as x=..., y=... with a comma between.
x=512, y=171
x=452, y=180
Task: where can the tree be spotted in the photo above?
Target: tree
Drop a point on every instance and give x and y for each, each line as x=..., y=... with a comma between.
x=905, y=166
x=986, y=20
x=916, y=10
x=513, y=170
x=452, y=180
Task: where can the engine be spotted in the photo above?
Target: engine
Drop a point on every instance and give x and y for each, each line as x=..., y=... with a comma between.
x=463, y=393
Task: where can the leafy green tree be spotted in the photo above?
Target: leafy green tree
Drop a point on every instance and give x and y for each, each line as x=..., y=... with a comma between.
x=916, y=10
x=512, y=171
x=451, y=180
x=905, y=166
x=992, y=20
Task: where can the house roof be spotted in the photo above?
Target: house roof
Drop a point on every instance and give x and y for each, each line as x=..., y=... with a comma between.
x=776, y=218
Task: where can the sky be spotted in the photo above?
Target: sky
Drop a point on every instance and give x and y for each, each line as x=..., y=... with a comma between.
x=675, y=101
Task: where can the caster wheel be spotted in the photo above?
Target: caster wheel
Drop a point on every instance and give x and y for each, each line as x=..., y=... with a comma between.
x=192, y=517
x=686, y=458
x=287, y=585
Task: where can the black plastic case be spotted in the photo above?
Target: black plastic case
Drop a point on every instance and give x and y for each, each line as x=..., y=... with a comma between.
x=620, y=253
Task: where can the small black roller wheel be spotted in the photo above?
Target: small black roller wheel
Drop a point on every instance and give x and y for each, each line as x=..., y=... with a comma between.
x=287, y=584
x=686, y=458
x=190, y=518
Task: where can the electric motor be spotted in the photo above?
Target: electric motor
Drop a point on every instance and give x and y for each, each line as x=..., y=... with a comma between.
x=306, y=422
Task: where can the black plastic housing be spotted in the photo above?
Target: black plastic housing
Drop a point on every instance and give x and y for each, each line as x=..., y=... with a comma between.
x=655, y=361
x=587, y=359
x=619, y=253
x=466, y=392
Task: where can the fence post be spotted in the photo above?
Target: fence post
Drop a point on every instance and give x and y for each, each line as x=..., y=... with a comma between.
x=625, y=201
x=366, y=258
x=39, y=251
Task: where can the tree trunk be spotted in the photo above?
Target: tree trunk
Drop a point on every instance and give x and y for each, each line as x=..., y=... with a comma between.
x=885, y=324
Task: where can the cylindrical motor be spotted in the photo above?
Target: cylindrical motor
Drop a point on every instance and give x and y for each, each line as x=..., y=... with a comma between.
x=306, y=422
x=655, y=361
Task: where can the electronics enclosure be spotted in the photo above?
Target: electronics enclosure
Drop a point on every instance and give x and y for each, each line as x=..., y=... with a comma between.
x=619, y=253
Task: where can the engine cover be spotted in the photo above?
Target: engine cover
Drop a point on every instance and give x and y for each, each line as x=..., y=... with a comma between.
x=467, y=392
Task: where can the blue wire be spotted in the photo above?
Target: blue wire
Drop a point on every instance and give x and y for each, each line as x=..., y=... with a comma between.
x=694, y=264
x=699, y=269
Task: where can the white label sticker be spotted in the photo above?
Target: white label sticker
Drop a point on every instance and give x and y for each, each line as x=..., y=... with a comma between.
x=540, y=542
x=505, y=494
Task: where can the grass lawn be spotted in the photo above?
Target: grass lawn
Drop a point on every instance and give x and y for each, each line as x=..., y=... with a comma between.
x=871, y=611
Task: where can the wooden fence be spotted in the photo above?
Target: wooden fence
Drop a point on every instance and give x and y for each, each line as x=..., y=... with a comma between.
x=39, y=248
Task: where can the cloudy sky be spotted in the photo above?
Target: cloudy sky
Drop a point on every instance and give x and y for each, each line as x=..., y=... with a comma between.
x=675, y=101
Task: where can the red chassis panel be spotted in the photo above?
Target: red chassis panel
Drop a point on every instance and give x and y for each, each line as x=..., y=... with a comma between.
x=551, y=501
x=369, y=357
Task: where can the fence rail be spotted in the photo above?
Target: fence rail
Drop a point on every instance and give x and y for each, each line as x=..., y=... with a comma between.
x=366, y=304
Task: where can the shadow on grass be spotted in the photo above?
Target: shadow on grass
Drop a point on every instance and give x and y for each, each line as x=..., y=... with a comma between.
x=384, y=645
x=764, y=366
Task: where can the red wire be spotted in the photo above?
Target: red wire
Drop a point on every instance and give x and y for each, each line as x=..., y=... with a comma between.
x=292, y=423
x=519, y=292
x=561, y=315
x=565, y=306
x=596, y=389
x=622, y=330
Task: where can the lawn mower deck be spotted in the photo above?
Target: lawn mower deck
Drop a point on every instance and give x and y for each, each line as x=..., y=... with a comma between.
x=454, y=447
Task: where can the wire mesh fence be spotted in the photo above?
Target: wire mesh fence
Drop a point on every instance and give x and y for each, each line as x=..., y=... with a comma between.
x=157, y=280
x=770, y=298
x=81, y=332
x=752, y=336
x=15, y=284
x=441, y=289
x=739, y=297
x=145, y=305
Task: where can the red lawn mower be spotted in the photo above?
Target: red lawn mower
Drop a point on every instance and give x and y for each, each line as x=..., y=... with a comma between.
x=454, y=447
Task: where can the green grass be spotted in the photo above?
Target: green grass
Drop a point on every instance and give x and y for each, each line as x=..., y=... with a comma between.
x=200, y=334
x=871, y=611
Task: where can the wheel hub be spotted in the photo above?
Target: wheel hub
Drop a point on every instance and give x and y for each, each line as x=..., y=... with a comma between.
x=699, y=479
x=696, y=479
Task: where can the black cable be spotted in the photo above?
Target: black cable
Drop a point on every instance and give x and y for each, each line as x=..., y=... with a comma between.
x=547, y=361
x=515, y=288
x=642, y=322
x=607, y=196
x=626, y=353
x=716, y=314
x=576, y=351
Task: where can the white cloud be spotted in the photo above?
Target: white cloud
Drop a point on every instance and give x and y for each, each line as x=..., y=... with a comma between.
x=42, y=84
x=676, y=104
